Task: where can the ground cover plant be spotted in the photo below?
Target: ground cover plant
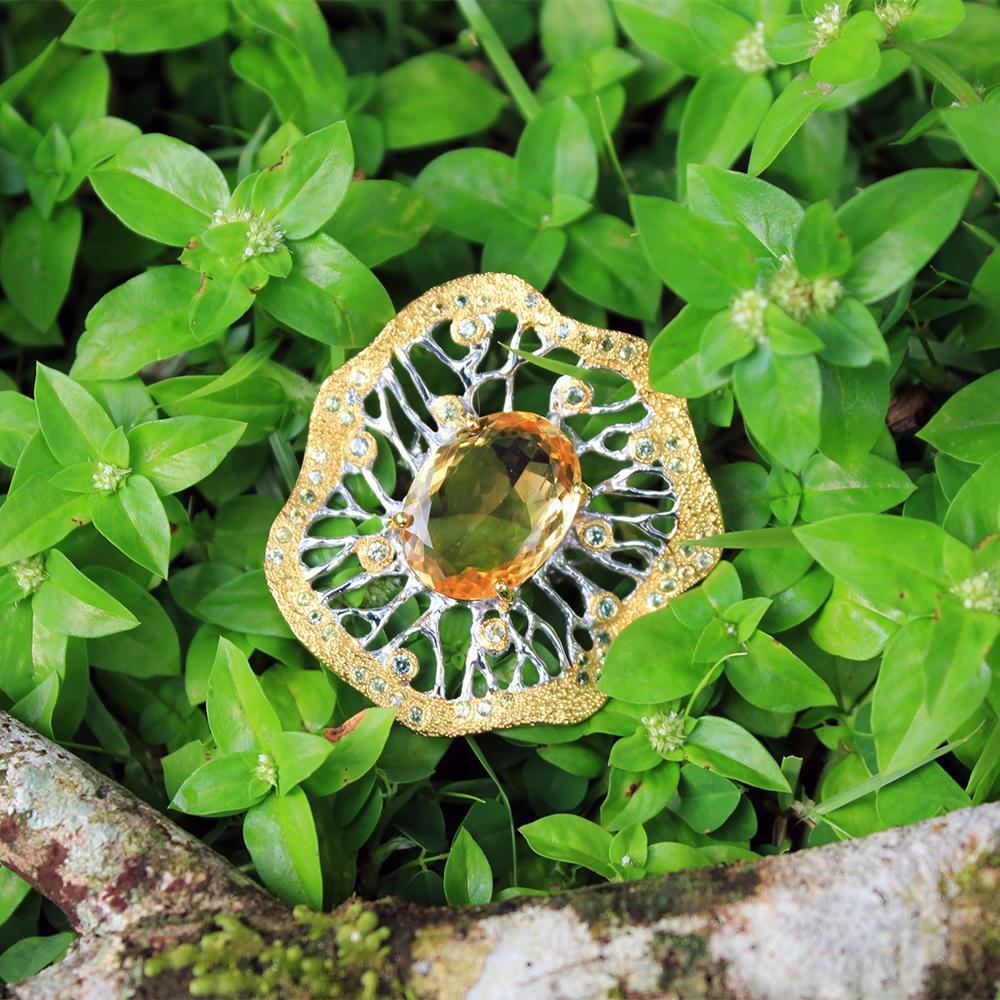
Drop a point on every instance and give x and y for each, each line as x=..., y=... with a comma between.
x=208, y=207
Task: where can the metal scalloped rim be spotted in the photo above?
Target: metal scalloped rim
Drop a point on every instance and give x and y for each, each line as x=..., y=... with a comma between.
x=561, y=700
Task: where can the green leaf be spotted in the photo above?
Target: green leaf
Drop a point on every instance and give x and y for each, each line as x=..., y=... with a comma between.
x=873, y=486
x=651, y=660
x=605, y=264
x=800, y=98
x=821, y=246
x=431, y=98
x=852, y=412
x=905, y=728
x=850, y=335
x=303, y=189
x=134, y=521
x=723, y=746
x=149, y=650
x=37, y=516
x=120, y=25
x=297, y=756
x=280, y=834
x=968, y=425
x=780, y=401
x=468, y=878
x=674, y=358
x=849, y=626
x=239, y=714
x=974, y=513
x=223, y=786
x=556, y=153
x=707, y=799
x=896, y=225
x=468, y=189
x=329, y=295
x=74, y=424
x=162, y=188
x=892, y=561
x=721, y=117
x=72, y=604
x=18, y=423
x=179, y=452
x=978, y=133
x=764, y=216
x=30, y=955
x=243, y=604
x=515, y=248
x=638, y=797
x=379, y=220
x=700, y=260
x=36, y=261
x=565, y=837
x=139, y=322
x=355, y=752
x=772, y=677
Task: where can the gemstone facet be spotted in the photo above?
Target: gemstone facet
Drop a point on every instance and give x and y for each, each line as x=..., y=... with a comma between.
x=491, y=506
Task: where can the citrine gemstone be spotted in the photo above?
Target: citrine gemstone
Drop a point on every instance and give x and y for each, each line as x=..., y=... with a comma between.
x=491, y=505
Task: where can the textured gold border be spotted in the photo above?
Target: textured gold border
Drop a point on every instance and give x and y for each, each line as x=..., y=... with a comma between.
x=574, y=696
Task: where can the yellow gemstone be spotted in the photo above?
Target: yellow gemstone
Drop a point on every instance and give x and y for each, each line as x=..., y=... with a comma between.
x=491, y=506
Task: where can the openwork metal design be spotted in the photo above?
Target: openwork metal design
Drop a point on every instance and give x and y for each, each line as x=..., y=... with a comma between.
x=526, y=654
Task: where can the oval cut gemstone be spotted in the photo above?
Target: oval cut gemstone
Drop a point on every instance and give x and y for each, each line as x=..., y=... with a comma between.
x=491, y=506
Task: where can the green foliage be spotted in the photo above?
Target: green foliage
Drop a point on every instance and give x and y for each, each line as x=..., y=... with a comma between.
x=793, y=202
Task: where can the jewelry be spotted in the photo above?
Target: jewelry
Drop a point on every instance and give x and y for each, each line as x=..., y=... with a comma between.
x=454, y=554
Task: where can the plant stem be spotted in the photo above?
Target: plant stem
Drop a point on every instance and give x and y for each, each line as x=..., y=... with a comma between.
x=503, y=798
x=947, y=76
x=497, y=52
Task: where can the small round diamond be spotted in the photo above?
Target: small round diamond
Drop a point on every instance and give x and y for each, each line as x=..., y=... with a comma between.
x=605, y=606
x=353, y=397
x=283, y=534
x=582, y=678
x=318, y=454
x=644, y=449
x=359, y=378
x=575, y=395
x=378, y=686
x=669, y=585
x=308, y=496
x=704, y=559
x=315, y=617
x=275, y=556
x=397, y=700
x=627, y=351
x=359, y=447
x=667, y=566
x=484, y=708
x=347, y=418
x=358, y=675
x=403, y=664
x=531, y=300
x=315, y=478
x=463, y=710
x=602, y=638
x=676, y=465
x=304, y=598
x=461, y=300
x=606, y=344
x=493, y=635
x=563, y=329
x=597, y=535
x=332, y=404
x=687, y=572
x=378, y=551
x=416, y=715
x=656, y=600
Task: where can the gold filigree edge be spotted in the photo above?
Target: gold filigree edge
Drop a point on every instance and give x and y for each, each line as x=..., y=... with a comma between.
x=567, y=699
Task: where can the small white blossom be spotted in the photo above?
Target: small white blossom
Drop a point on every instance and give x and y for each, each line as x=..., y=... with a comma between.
x=791, y=291
x=626, y=860
x=980, y=592
x=262, y=235
x=826, y=24
x=665, y=732
x=892, y=12
x=108, y=478
x=747, y=313
x=29, y=574
x=826, y=293
x=265, y=770
x=750, y=53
